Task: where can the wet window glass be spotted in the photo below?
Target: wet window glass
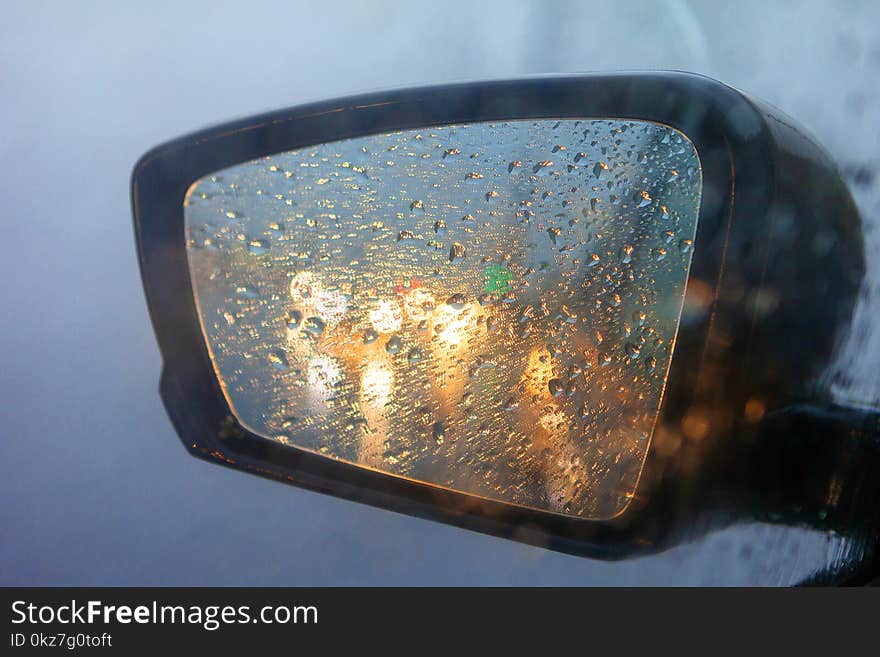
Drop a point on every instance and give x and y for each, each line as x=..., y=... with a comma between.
x=488, y=307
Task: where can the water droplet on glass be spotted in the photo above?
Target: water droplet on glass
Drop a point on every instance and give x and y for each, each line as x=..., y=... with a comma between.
x=247, y=292
x=567, y=315
x=456, y=252
x=394, y=344
x=440, y=227
x=314, y=325
x=439, y=433
x=258, y=247
x=278, y=360
x=556, y=387
x=370, y=336
x=526, y=314
x=294, y=317
x=414, y=356
x=456, y=301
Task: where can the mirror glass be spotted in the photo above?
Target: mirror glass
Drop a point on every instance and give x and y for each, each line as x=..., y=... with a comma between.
x=487, y=307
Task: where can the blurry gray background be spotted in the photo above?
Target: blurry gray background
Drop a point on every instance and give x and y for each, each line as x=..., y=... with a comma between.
x=96, y=487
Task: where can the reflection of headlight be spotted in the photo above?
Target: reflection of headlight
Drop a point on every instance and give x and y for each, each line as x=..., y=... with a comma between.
x=386, y=316
x=323, y=374
x=539, y=371
x=376, y=384
x=554, y=420
x=304, y=285
x=330, y=305
x=451, y=324
x=418, y=304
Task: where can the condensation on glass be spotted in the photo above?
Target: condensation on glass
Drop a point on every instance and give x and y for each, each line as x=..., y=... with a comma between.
x=488, y=307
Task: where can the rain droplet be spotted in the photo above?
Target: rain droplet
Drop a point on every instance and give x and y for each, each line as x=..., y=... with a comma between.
x=526, y=314
x=278, y=360
x=414, y=356
x=294, y=317
x=567, y=315
x=439, y=433
x=247, y=292
x=456, y=252
x=456, y=301
x=631, y=350
x=258, y=247
x=394, y=344
x=556, y=387
x=440, y=227
x=314, y=325
x=370, y=336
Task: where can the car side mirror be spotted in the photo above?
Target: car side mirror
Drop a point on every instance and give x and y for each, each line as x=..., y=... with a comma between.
x=543, y=309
